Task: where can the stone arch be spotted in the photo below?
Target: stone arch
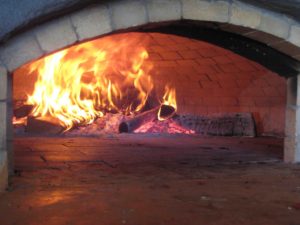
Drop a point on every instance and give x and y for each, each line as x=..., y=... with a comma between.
x=272, y=29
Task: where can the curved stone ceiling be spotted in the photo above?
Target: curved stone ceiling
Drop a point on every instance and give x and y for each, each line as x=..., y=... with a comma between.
x=14, y=16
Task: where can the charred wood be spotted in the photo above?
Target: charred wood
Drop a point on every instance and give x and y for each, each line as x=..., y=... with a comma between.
x=166, y=112
x=38, y=125
x=23, y=111
x=220, y=124
x=162, y=111
x=130, y=125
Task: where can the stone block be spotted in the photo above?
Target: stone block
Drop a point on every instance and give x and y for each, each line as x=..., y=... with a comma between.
x=295, y=34
x=3, y=124
x=128, y=14
x=91, y=22
x=55, y=34
x=206, y=10
x=3, y=83
x=9, y=126
x=275, y=24
x=245, y=15
x=3, y=171
x=292, y=150
x=292, y=123
x=293, y=88
x=19, y=51
x=157, y=10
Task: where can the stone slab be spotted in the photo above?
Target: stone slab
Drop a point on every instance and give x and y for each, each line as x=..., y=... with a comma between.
x=157, y=10
x=275, y=24
x=6, y=163
x=55, y=34
x=179, y=179
x=291, y=149
x=292, y=121
x=293, y=88
x=3, y=83
x=245, y=15
x=92, y=22
x=3, y=125
x=20, y=50
x=3, y=171
x=206, y=10
x=129, y=13
x=295, y=35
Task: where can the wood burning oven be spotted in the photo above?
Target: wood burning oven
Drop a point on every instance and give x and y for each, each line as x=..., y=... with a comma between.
x=208, y=78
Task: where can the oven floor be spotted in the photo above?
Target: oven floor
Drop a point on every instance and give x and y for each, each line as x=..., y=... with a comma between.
x=151, y=180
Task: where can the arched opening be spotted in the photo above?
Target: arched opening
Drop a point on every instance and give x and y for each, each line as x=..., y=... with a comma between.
x=221, y=57
x=220, y=80
x=207, y=79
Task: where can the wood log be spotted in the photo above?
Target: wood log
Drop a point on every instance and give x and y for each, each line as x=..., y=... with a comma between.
x=166, y=112
x=23, y=111
x=38, y=125
x=132, y=124
x=220, y=124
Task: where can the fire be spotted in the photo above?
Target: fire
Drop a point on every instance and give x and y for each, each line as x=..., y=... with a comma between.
x=169, y=99
x=79, y=84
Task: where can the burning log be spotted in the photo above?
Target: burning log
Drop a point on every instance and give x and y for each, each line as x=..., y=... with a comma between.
x=166, y=112
x=38, y=125
x=130, y=125
x=161, y=112
x=23, y=111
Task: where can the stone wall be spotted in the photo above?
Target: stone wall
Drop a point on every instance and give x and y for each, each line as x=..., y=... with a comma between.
x=3, y=128
x=292, y=127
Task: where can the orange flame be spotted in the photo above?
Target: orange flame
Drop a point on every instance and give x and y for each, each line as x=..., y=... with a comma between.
x=169, y=99
x=81, y=83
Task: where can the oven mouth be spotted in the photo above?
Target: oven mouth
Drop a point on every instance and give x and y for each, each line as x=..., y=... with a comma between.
x=150, y=82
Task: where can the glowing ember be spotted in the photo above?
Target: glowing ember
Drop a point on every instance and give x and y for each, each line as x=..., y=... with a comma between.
x=169, y=126
x=82, y=83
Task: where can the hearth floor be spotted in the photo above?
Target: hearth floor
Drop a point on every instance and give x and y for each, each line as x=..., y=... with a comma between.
x=151, y=180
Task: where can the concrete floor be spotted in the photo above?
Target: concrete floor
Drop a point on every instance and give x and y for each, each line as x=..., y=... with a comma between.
x=146, y=180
